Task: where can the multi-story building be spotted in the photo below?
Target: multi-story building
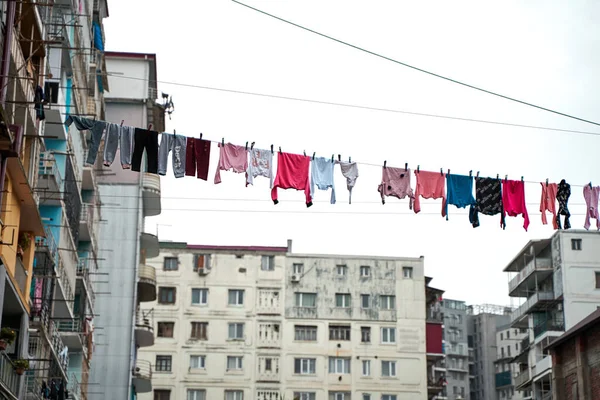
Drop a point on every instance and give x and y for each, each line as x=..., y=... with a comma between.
x=456, y=350
x=117, y=372
x=556, y=279
x=260, y=323
x=508, y=343
x=436, y=366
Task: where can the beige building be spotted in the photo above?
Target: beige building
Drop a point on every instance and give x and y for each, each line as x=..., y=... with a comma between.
x=263, y=323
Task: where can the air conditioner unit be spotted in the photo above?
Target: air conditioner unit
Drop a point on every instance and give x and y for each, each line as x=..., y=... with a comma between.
x=296, y=278
x=203, y=271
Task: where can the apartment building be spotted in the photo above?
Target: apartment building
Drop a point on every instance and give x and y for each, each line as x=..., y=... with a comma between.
x=249, y=322
x=558, y=281
x=436, y=364
x=508, y=343
x=456, y=350
x=125, y=247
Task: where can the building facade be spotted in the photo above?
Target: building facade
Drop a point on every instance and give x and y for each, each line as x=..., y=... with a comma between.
x=436, y=359
x=456, y=350
x=508, y=343
x=263, y=323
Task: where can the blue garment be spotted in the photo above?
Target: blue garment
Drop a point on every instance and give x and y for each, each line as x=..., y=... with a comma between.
x=322, y=176
x=460, y=191
x=98, y=42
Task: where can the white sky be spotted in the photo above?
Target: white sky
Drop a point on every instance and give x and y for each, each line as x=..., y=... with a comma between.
x=539, y=51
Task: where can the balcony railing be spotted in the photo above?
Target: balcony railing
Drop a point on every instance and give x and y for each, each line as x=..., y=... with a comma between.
x=74, y=386
x=435, y=316
x=456, y=351
x=142, y=370
x=8, y=376
x=64, y=280
x=503, y=379
x=269, y=301
x=83, y=271
x=21, y=276
x=59, y=346
x=525, y=343
x=538, y=264
x=49, y=243
x=522, y=378
x=556, y=326
x=71, y=326
x=49, y=167
x=531, y=301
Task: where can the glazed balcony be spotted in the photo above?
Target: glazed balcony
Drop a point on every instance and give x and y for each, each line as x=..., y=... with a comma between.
x=503, y=379
x=556, y=327
x=150, y=245
x=142, y=376
x=151, y=194
x=144, y=328
x=146, y=283
x=535, y=271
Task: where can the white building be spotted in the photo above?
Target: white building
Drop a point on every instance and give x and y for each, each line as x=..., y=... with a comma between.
x=260, y=323
x=508, y=345
x=559, y=279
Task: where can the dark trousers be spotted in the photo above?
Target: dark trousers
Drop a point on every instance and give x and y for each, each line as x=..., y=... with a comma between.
x=148, y=140
x=197, y=157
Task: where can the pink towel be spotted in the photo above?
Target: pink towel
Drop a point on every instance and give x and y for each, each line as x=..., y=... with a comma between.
x=430, y=185
x=231, y=157
x=513, y=199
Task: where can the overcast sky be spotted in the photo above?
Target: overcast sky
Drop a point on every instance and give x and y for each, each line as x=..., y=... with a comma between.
x=539, y=51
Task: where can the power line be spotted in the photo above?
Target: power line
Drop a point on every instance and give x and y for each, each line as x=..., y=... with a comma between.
x=419, y=69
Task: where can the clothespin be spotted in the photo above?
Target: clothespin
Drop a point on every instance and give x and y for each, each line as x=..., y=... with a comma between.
x=385, y=164
x=200, y=135
x=349, y=159
x=590, y=185
x=314, y=156
x=174, y=133
x=405, y=166
x=497, y=176
x=223, y=142
x=149, y=127
x=521, y=179
x=477, y=176
x=332, y=158
x=448, y=171
x=505, y=178
x=304, y=151
x=441, y=172
x=279, y=149
x=122, y=121
x=252, y=146
x=339, y=157
x=272, y=152
x=246, y=145
x=470, y=173
x=418, y=167
x=546, y=182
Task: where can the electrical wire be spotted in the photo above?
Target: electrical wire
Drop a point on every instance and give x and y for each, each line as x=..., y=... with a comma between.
x=420, y=69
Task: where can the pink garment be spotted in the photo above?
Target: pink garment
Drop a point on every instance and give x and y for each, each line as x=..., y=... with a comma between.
x=231, y=157
x=38, y=294
x=591, y=195
x=430, y=185
x=548, y=202
x=513, y=199
x=396, y=182
x=292, y=173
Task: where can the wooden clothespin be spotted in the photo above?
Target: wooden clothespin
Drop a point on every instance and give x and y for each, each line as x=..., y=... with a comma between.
x=441, y=171
x=174, y=132
x=200, y=135
x=314, y=156
x=505, y=178
x=332, y=159
x=448, y=171
x=339, y=157
x=521, y=179
x=252, y=146
x=349, y=159
x=279, y=149
x=385, y=164
x=304, y=151
x=405, y=167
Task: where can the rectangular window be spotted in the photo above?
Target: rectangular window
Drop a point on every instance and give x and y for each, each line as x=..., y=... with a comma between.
x=268, y=364
x=197, y=362
x=366, y=396
x=339, y=365
x=163, y=363
x=597, y=280
x=388, y=335
x=199, y=331
x=171, y=264
x=507, y=335
x=298, y=269
x=165, y=329
x=236, y=297
x=199, y=297
x=388, y=397
x=167, y=295
x=234, y=395
x=407, y=272
x=201, y=261
x=366, y=367
x=339, y=332
x=365, y=271
x=267, y=263
x=387, y=302
x=306, y=333
x=235, y=363
x=342, y=300
x=388, y=368
x=305, y=299
x=305, y=366
x=576, y=244
x=365, y=301
x=196, y=394
x=342, y=270
x=160, y=394
x=501, y=336
x=236, y=331
x=305, y=396
x=339, y=395
x=365, y=334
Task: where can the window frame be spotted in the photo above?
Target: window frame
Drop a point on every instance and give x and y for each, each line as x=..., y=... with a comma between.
x=365, y=331
x=237, y=325
x=387, y=302
x=165, y=361
x=388, y=329
x=269, y=264
x=202, y=361
x=341, y=365
x=166, y=261
x=205, y=264
x=239, y=297
x=341, y=270
x=306, y=330
x=239, y=363
x=159, y=330
x=235, y=394
x=199, y=326
x=161, y=393
x=345, y=300
x=392, y=369
x=194, y=393
x=362, y=301
x=305, y=395
x=597, y=275
x=365, y=271
x=343, y=330
x=407, y=272
x=162, y=289
x=201, y=291
x=385, y=396
x=305, y=364
x=299, y=299
x=576, y=244
x=367, y=364
x=298, y=268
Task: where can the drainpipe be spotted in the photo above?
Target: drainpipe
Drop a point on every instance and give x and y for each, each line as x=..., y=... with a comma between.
x=5, y=68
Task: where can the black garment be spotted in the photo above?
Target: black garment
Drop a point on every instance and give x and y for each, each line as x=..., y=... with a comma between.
x=562, y=195
x=488, y=197
x=53, y=390
x=145, y=139
x=39, y=103
x=61, y=391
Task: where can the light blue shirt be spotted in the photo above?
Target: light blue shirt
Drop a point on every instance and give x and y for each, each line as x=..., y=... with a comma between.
x=322, y=176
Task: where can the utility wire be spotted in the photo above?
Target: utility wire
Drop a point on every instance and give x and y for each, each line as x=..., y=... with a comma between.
x=419, y=69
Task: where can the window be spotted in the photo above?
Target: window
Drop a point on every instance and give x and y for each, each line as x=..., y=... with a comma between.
x=388, y=335
x=199, y=331
x=163, y=363
x=166, y=295
x=507, y=335
x=199, y=297
x=342, y=270
x=388, y=368
x=339, y=395
x=305, y=333
x=407, y=272
x=236, y=331
x=267, y=263
x=388, y=397
x=298, y=269
x=160, y=394
x=508, y=351
x=575, y=244
x=366, y=367
x=339, y=332
x=597, y=280
x=305, y=396
x=365, y=271
x=462, y=391
x=342, y=300
x=366, y=396
x=388, y=302
x=201, y=261
x=365, y=301
x=235, y=363
x=501, y=336
x=305, y=366
x=269, y=364
x=165, y=329
x=197, y=362
x=171, y=264
x=306, y=299
x=196, y=394
x=365, y=334
x=339, y=365
x=236, y=297
x=234, y=395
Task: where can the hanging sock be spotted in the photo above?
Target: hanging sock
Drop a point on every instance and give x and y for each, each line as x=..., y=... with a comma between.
x=562, y=195
x=488, y=200
x=261, y=164
x=322, y=176
x=350, y=172
x=177, y=144
x=513, y=198
x=460, y=191
x=197, y=158
x=548, y=202
x=430, y=185
x=231, y=157
x=591, y=195
x=395, y=182
x=292, y=173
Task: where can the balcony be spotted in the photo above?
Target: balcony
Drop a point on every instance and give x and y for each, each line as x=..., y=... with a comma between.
x=268, y=369
x=557, y=327
x=144, y=329
x=50, y=182
x=87, y=223
x=150, y=245
x=456, y=351
x=71, y=333
x=142, y=376
x=503, y=379
x=146, y=283
x=8, y=376
x=151, y=194
x=268, y=302
x=435, y=316
x=518, y=318
x=269, y=335
x=522, y=380
x=47, y=246
x=88, y=181
x=83, y=273
x=543, y=367
x=535, y=271
x=64, y=304
x=18, y=71
x=21, y=275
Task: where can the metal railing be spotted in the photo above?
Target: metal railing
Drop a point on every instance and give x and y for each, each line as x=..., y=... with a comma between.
x=83, y=271
x=531, y=301
x=74, y=386
x=525, y=343
x=21, y=275
x=522, y=378
x=435, y=316
x=64, y=280
x=8, y=376
x=144, y=319
x=59, y=346
x=70, y=325
x=548, y=326
x=48, y=166
x=538, y=264
x=49, y=242
x=142, y=369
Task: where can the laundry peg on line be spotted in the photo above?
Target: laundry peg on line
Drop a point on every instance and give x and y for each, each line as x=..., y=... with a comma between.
x=272, y=150
x=200, y=135
x=385, y=164
x=477, y=176
x=405, y=167
x=150, y=127
x=349, y=159
x=304, y=151
x=418, y=168
x=505, y=178
x=590, y=185
x=279, y=149
x=470, y=173
x=339, y=157
x=521, y=179
x=448, y=171
x=252, y=145
x=122, y=122
x=441, y=171
x=546, y=182
x=246, y=146
x=223, y=142
x=497, y=176
x=332, y=159
x=174, y=132
x=314, y=156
